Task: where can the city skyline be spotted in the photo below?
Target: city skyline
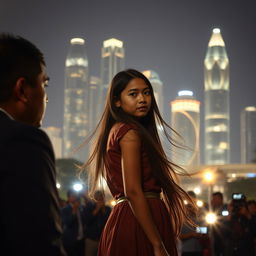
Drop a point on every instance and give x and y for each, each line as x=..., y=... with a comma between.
x=168, y=37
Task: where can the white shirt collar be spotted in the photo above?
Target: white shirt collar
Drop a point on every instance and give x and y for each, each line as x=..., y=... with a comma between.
x=7, y=113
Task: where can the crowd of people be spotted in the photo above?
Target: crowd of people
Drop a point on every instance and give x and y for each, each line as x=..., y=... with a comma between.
x=83, y=220
x=232, y=234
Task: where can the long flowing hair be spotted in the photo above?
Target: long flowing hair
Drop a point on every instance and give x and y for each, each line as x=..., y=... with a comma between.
x=164, y=171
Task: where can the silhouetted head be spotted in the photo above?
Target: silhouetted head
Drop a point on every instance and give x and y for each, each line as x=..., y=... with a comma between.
x=22, y=79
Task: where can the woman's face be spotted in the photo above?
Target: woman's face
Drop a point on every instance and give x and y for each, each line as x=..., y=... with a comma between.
x=135, y=99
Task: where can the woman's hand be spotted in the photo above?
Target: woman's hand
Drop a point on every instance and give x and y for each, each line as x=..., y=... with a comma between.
x=160, y=251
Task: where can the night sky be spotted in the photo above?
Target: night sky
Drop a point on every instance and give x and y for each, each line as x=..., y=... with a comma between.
x=170, y=37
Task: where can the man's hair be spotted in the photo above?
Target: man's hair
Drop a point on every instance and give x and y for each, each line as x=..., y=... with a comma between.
x=18, y=58
x=218, y=194
x=253, y=202
x=72, y=192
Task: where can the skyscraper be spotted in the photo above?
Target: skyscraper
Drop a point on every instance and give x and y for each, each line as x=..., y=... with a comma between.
x=94, y=92
x=157, y=85
x=76, y=100
x=248, y=134
x=216, y=99
x=112, y=61
x=185, y=119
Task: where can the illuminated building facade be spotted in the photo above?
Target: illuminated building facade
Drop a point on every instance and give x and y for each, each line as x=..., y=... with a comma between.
x=94, y=92
x=185, y=119
x=76, y=104
x=157, y=85
x=216, y=99
x=248, y=135
x=112, y=62
x=54, y=135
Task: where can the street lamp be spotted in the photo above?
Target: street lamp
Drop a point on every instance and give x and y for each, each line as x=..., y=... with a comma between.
x=197, y=190
x=209, y=178
x=78, y=187
x=211, y=218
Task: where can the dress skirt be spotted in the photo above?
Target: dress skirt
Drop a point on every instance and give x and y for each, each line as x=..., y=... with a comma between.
x=123, y=235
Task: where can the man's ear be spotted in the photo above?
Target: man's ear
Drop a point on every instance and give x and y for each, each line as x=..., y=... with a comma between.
x=20, y=89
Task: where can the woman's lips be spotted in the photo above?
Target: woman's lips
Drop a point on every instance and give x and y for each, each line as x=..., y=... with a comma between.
x=143, y=108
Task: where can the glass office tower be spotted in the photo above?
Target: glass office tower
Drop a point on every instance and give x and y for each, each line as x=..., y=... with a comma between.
x=112, y=61
x=248, y=135
x=76, y=103
x=94, y=92
x=185, y=119
x=216, y=99
x=157, y=85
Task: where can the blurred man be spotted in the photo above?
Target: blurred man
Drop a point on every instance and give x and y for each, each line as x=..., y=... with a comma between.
x=252, y=207
x=218, y=240
x=96, y=216
x=30, y=225
x=240, y=229
x=192, y=238
x=217, y=202
x=73, y=222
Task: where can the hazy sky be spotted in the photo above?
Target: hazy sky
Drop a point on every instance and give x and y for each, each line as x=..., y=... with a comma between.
x=168, y=36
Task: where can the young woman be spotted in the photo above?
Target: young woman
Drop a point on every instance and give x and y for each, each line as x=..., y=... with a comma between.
x=129, y=154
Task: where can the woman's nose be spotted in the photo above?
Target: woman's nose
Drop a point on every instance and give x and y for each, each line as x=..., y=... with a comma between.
x=141, y=98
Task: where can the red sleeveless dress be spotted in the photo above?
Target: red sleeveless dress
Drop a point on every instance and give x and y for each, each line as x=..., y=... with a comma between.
x=123, y=235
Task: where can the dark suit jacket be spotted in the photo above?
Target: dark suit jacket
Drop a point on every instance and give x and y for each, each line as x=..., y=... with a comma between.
x=70, y=225
x=30, y=222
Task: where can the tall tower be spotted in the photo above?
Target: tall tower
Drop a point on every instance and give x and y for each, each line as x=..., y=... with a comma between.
x=185, y=119
x=216, y=98
x=157, y=85
x=112, y=61
x=76, y=101
x=248, y=135
x=94, y=92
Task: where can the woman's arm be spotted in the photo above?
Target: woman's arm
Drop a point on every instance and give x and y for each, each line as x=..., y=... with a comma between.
x=131, y=171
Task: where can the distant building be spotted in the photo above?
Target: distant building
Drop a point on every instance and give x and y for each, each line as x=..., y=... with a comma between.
x=248, y=135
x=185, y=119
x=157, y=85
x=76, y=102
x=54, y=135
x=112, y=62
x=94, y=108
x=216, y=100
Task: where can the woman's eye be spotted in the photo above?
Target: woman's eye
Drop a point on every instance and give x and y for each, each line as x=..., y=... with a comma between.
x=133, y=94
x=147, y=93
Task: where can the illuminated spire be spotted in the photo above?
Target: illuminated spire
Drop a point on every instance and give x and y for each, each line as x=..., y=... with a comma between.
x=112, y=42
x=77, y=41
x=216, y=38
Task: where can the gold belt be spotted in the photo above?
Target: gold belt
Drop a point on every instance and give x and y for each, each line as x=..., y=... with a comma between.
x=147, y=195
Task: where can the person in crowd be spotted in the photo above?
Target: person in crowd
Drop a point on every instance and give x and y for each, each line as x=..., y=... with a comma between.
x=252, y=207
x=240, y=230
x=217, y=203
x=192, y=236
x=73, y=225
x=251, y=204
x=31, y=225
x=96, y=216
x=217, y=234
x=129, y=154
